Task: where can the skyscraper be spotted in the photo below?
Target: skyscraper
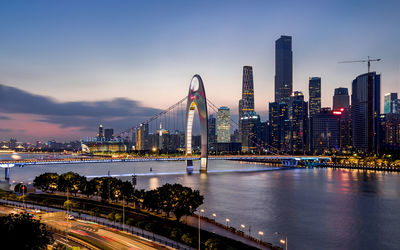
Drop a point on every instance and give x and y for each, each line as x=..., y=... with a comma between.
x=248, y=89
x=101, y=132
x=283, y=69
x=108, y=133
x=211, y=132
x=279, y=122
x=223, y=125
x=298, y=116
x=389, y=103
x=365, y=112
x=250, y=133
x=314, y=95
x=341, y=98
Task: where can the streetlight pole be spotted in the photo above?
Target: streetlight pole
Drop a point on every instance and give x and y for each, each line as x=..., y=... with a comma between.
x=261, y=233
x=227, y=222
x=201, y=211
x=123, y=213
x=215, y=215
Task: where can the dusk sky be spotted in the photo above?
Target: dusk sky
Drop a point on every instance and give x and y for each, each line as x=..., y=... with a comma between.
x=67, y=66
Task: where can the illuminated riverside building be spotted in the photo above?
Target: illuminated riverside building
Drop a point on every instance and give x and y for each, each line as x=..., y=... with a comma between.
x=283, y=69
x=341, y=98
x=223, y=125
x=365, y=112
x=142, y=137
x=314, y=87
x=211, y=132
x=250, y=131
x=325, y=131
x=279, y=125
x=390, y=132
x=298, y=116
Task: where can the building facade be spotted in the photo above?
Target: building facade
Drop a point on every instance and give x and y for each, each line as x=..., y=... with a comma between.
x=341, y=99
x=223, y=125
x=298, y=116
x=314, y=87
x=325, y=132
x=389, y=105
x=365, y=112
x=283, y=69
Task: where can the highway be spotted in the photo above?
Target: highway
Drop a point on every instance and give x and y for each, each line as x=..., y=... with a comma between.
x=90, y=232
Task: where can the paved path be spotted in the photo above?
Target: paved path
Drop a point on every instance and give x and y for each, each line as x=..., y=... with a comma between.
x=194, y=222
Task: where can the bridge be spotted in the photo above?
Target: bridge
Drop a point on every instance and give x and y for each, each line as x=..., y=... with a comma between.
x=284, y=161
x=195, y=100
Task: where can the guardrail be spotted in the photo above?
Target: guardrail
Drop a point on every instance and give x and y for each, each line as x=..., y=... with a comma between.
x=129, y=229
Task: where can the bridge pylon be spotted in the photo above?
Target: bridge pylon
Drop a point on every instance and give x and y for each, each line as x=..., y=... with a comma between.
x=197, y=98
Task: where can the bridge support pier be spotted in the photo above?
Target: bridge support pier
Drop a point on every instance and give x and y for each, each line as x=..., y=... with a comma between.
x=7, y=174
x=189, y=166
x=203, y=164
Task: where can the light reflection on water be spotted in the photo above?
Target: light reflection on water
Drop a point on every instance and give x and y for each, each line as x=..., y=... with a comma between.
x=316, y=208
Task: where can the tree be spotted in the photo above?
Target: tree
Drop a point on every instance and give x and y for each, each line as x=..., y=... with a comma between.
x=213, y=244
x=70, y=204
x=47, y=182
x=187, y=201
x=71, y=182
x=24, y=232
x=111, y=216
x=187, y=239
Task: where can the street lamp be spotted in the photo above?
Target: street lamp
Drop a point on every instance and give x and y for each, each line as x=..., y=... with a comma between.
x=261, y=233
x=227, y=222
x=214, y=215
x=283, y=239
x=201, y=212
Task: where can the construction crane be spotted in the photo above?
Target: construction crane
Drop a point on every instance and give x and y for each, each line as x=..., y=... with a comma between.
x=369, y=60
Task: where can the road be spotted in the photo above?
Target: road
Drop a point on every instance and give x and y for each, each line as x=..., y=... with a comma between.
x=103, y=236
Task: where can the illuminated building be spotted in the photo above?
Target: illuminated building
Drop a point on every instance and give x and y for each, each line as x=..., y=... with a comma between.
x=142, y=137
x=389, y=105
x=283, y=69
x=314, y=87
x=390, y=132
x=248, y=90
x=211, y=132
x=298, y=116
x=345, y=129
x=223, y=125
x=325, y=131
x=341, y=98
x=101, y=133
x=365, y=112
x=279, y=124
x=250, y=128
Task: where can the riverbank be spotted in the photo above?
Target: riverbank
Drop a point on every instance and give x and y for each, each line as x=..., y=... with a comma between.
x=140, y=219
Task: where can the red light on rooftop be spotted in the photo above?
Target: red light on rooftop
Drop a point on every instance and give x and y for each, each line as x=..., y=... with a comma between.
x=341, y=109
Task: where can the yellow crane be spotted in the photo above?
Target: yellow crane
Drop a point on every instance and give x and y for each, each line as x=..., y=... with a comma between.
x=368, y=61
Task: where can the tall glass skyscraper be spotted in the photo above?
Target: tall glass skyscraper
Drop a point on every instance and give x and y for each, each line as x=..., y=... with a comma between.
x=283, y=69
x=365, y=112
x=314, y=87
x=341, y=99
x=248, y=90
x=298, y=116
x=224, y=125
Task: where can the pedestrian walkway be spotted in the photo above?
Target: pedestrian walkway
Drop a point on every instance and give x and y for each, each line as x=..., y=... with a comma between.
x=211, y=227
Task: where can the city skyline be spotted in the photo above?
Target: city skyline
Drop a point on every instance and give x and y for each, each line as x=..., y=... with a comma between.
x=99, y=71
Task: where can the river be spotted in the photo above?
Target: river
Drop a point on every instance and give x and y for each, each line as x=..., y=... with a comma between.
x=315, y=208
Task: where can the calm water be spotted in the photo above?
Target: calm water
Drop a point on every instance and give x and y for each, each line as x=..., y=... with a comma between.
x=316, y=208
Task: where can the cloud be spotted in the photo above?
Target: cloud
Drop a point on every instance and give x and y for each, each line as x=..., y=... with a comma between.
x=119, y=113
x=2, y=117
x=5, y=130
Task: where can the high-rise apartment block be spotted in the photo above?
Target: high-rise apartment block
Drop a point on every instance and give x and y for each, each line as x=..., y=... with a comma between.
x=283, y=69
